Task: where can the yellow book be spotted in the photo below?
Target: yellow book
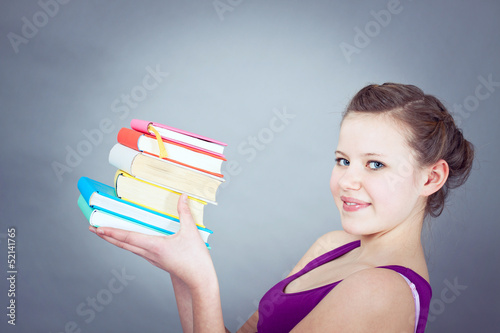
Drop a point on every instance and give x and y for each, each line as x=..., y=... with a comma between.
x=165, y=173
x=155, y=197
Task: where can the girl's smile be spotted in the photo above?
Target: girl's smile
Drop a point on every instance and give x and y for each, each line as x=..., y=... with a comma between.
x=353, y=205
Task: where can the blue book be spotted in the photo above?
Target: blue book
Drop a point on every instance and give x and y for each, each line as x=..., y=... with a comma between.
x=103, y=207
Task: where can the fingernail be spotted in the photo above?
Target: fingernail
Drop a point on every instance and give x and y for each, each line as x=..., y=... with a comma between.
x=100, y=231
x=92, y=229
x=184, y=198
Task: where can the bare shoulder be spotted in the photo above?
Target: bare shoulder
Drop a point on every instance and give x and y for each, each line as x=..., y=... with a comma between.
x=323, y=244
x=376, y=282
x=331, y=240
x=370, y=300
x=334, y=239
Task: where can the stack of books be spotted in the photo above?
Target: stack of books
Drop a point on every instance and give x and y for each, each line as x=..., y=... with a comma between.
x=156, y=164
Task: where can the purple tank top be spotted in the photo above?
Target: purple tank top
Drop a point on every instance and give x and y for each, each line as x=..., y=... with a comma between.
x=280, y=311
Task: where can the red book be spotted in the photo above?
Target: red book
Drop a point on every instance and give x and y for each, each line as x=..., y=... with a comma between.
x=185, y=155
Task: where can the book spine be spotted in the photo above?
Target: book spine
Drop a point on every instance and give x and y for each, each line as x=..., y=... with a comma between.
x=129, y=138
x=140, y=125
x=121, y=157
x=86, y=189
x=84, y=207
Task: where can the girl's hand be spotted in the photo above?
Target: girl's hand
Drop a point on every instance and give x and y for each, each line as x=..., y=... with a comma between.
x=183, y=254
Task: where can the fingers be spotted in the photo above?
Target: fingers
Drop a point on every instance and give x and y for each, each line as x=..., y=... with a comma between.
x=126, y=246
x=129, y=240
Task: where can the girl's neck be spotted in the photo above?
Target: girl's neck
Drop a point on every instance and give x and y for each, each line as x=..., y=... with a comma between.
x=393, y=246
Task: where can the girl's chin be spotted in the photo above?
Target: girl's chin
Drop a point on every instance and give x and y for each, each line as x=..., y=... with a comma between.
x=356, y=228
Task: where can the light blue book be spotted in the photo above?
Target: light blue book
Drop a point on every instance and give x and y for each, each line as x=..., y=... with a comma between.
x=102, y=207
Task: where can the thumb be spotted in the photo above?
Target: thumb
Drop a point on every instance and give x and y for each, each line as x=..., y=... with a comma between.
x=185, y=213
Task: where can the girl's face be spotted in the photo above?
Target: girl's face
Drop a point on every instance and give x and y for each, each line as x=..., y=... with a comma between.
x=375, y=182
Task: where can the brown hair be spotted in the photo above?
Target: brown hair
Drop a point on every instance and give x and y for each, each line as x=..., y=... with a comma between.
x=432, y=132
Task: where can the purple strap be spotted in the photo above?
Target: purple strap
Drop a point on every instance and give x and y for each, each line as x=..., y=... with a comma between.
x=280, y=311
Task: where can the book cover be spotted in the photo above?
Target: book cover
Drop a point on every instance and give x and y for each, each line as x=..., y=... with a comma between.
x=99, y=218
x=179, y=135
x=184, y=155
x=103, y=197
x=160, y=172
x=154, y=197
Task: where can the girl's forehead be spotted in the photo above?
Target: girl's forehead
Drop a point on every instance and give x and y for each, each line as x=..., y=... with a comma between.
x=372, y=134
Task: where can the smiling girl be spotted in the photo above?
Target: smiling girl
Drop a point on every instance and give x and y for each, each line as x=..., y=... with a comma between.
x=399, y=152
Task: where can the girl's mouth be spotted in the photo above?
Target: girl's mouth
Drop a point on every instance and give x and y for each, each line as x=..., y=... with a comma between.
x=352, y=204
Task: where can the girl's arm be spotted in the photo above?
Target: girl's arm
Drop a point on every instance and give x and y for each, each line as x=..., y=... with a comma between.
x=185, y=256
x=250, y=326
x=370, y=300
x=184, y=303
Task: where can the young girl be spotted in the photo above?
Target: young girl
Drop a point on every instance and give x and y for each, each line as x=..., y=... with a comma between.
x=399, y=152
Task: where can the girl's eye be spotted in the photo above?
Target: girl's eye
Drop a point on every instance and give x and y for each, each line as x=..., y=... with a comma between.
x=374, y=165
x=342, y=161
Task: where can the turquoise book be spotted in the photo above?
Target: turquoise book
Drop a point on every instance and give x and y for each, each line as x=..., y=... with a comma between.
x=102, y=207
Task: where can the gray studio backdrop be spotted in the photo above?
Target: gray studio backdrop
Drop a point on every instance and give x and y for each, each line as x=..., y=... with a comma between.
x=270, y=78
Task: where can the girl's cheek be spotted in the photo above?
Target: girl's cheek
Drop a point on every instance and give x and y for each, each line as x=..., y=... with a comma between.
x=333, y=181
x=334, y=185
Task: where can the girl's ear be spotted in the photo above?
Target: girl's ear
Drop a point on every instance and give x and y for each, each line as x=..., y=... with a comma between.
x=437, y=174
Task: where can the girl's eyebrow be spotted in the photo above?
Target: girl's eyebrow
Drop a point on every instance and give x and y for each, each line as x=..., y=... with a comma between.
x=373, y=154
x=366, y=154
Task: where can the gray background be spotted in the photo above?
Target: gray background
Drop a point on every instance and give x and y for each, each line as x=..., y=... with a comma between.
x=228, y=75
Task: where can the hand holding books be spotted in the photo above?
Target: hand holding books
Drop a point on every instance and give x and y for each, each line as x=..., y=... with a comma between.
x=183, y=254
x=156, y=164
